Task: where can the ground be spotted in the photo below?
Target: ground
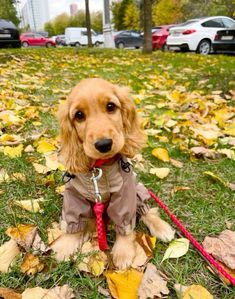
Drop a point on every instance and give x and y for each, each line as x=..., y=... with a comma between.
x=179, y=95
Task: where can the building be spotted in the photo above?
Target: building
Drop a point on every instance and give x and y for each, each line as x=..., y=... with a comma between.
x=35, y=14
x=73, y=9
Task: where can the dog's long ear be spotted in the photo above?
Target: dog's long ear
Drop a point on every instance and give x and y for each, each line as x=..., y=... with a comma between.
x=134, y=136
x=72, y=152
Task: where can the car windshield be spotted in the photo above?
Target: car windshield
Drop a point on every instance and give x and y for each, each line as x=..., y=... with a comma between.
x=6, y=24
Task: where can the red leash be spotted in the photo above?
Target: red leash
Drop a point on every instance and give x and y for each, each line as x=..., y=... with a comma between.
x=101, y=232
x=194, y=242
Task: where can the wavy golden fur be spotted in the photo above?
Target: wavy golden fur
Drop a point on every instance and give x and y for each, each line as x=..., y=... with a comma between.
x=84, y=119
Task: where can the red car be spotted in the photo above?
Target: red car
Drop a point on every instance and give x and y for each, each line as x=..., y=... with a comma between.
x=159, y=37
x=35, y=39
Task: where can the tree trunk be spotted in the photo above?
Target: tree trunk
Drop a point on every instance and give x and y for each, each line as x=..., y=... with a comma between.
x=88, y=24
x=147, y=48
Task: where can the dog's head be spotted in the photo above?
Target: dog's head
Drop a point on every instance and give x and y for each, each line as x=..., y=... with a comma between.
x=97, y=121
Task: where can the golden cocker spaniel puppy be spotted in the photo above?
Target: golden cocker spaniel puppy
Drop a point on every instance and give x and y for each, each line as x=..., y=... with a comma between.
x=99, y=121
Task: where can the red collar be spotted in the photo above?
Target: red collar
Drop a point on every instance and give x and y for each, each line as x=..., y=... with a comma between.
x=100, y=162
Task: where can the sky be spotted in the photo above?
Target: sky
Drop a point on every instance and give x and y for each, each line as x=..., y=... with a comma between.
x=57, y=7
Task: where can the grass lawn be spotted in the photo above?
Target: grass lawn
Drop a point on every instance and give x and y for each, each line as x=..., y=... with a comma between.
x=179, y=95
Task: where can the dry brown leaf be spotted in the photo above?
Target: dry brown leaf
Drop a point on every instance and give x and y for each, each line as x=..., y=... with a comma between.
x=26, y=235
x=152, y=284
x=8, y=253
x=31, y=205
x=64, y=292
x=160, y=172
x=31, y=264
x=179, y=188
x=41, y=168
x=7, y=293
x=176, y=163
x=124, y=285
x=222, y=247
x=144, y=250
x=199, y=151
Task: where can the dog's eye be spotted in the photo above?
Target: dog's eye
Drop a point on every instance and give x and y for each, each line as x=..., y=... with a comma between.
x=111, y=107
x=79, y=115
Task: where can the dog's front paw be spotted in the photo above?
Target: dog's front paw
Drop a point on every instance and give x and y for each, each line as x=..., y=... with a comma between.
x=158, y=227
x=124, y=251
x=66, y=245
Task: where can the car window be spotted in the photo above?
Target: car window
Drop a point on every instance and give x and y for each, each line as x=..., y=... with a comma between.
x=6, y=24
x=84, y=33
x=38, y=36
x=135, y=34
x=125, y=34
x=228, y=23
x=214, y=23
x=29, y=35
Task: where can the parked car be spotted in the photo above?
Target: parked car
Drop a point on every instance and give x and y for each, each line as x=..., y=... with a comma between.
x=198, y=34
x=128, y=38
x=225, y=41
x=77, y=36
x=9, y=34
x=60, y=40
x=35, y=39
x=159, y=36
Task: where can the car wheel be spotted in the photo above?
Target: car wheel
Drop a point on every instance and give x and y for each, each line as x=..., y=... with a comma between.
x=204, y=47
x=25, y=44
x=96, y=44
x=77, y=44
x=121, y=45
x=164, y=48
x=49, y=45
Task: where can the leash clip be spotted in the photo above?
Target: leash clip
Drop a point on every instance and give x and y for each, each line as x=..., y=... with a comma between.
x=96, y=175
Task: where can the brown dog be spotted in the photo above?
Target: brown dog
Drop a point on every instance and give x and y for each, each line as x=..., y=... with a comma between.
x=99, y=121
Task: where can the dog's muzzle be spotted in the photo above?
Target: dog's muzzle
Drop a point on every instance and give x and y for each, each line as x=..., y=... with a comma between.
x=104, y=145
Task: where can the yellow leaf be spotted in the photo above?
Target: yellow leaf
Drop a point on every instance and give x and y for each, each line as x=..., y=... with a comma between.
x=19, y=176
x=97, y=263
x=8, y=253
x=31, y=264
x=13, y=152
x=52, y=161
x=196, y=291
x=3, y=175
x=23, y=234
x=177, y=248
x=161, y=154
x=124, y=285
x=60, y=189
x=41, y=168
x=31, y=205
x=9, y=137
x=230, y=130
x=45, y=147
x=215, y=177
x=160, y=172
x=54, y=232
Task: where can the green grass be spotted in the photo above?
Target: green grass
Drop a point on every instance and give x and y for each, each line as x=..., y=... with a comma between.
x=41, y=77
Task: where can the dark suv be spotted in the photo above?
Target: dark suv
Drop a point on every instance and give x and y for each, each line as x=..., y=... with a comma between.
x=9, y=34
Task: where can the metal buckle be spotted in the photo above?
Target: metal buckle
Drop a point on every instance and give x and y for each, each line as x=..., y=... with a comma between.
x=96, y=175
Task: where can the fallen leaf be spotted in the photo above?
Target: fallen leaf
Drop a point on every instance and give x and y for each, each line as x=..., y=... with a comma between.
x=144, y=250
x=8, y=253
x=31, y=264
x=161, y=172
x=52, y=160
x=13, y=152
x=191, y=292
x=26, y=235
x=29, y=149
x=41, y=168
x=45, y=147
x=18, y=176
x=60, y=189
x=7, y=293
x=94, y=261
x=161, y=154
x=31, y=205
x=152, y=284
x=215, y=177
x=54, y=232
x=227, y=152
x=199, y=151
x=222, y=247
x=176, y=248
x=124, y=285
x=178, y=188
x=3, y=175
x=64, y=292
x=176, y=163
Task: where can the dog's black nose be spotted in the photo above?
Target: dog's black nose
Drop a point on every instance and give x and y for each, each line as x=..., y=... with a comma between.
x=104, y=145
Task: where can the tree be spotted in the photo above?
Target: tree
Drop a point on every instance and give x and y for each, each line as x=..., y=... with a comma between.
x=132, y=16
x=60, y=23
x=119, y=10
x=167, y=12
x=48, y=27
x=88, y=23
x=97, y=21
x=147, y=48
x=8, y=11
